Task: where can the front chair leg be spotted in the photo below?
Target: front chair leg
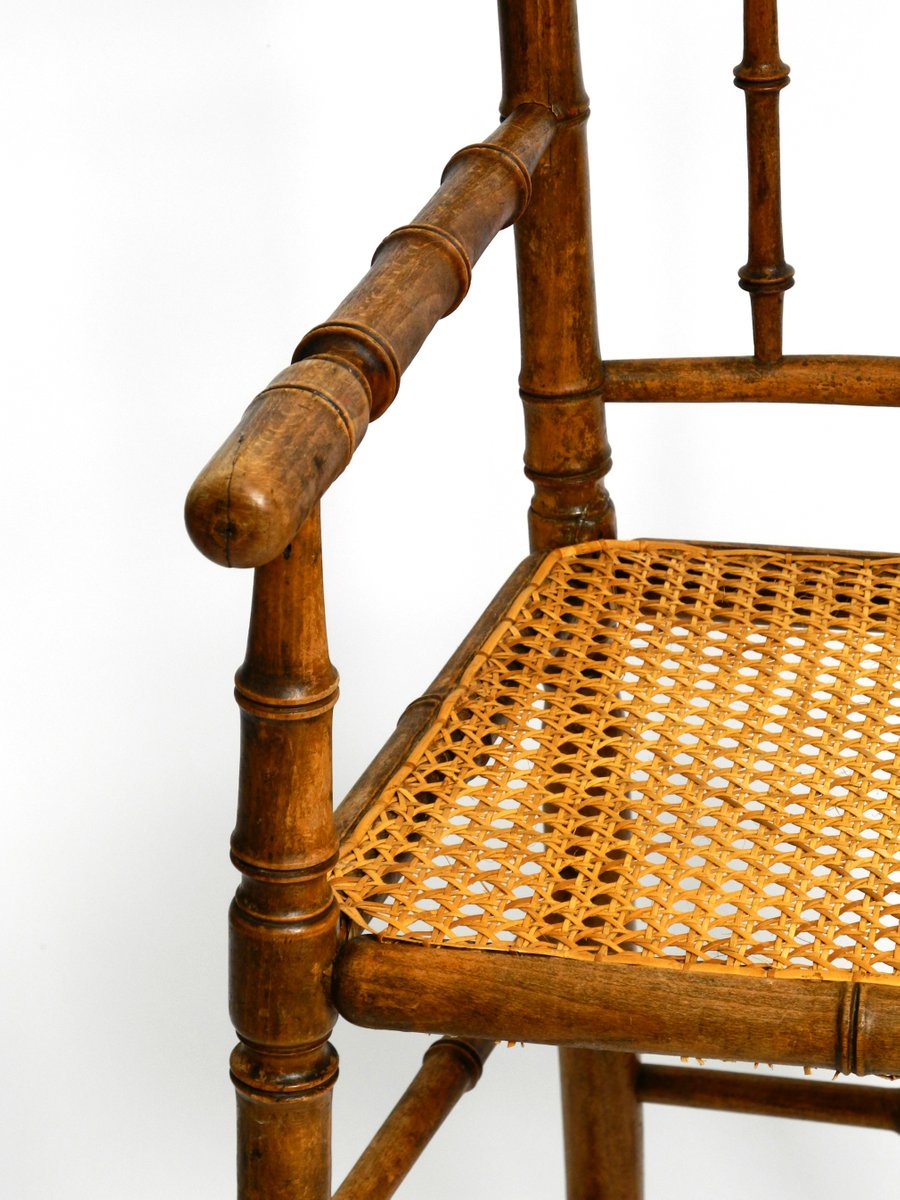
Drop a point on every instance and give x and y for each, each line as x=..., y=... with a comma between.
x=284, y=1138
x=284, y=920
x=602, y=1126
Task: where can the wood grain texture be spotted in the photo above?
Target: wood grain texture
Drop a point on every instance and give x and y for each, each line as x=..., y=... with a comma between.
x=451, y=1068
x=421, y=271
x=295, y=438
x=851, y=1028
x=302, y=430
x=602, y=1125
x=284, y=922
x=795, y=379
x=768, y=1095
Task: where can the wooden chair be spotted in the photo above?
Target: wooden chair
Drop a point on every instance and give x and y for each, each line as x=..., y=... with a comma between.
x=649, y=804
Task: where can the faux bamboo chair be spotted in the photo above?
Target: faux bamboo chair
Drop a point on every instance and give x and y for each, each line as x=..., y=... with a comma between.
x=649, y=804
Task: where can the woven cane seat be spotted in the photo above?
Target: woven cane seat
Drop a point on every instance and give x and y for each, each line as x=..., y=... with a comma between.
x=677, y=755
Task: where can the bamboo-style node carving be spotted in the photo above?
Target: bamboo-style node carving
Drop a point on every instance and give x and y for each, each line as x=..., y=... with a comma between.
x=261, y=1085
x=761, y=75
x=422, y=270
x=288, y=872
x=371, y=355
x=284, y=708
x=553, y=931
x=284, y=923
x=510, y=158
x=567, y=457
x=444, y=241
x=566, y=451
x=346, y=405
x=255, y=492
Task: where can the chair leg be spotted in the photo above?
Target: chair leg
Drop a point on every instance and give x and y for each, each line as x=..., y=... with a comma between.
x=284, y=1145
x=602, y=1126
x=284, y=921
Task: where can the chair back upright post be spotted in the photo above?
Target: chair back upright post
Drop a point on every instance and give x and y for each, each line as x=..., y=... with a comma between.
x=567, y=457
x=284, y=920
x=566, y=450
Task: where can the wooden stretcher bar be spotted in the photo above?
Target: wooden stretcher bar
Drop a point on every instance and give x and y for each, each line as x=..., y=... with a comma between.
x=451, y=1068
x=772, y=1096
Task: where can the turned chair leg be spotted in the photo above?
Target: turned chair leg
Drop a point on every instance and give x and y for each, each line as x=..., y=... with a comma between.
x=602, y=1126
x=284, y=921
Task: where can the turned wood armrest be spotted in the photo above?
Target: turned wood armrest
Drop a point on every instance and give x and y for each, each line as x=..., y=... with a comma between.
x=295, y=438
x=302, y=430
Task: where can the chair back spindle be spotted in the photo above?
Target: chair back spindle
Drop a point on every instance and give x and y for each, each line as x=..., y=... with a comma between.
x=766, y=276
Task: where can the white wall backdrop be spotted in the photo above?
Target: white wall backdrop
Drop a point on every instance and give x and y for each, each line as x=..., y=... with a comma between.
x=188, y=188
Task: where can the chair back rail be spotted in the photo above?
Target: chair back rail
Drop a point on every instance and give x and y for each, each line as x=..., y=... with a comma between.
x=797, y=379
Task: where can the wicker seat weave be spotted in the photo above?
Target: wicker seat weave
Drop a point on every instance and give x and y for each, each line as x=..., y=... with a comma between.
x=679, y=755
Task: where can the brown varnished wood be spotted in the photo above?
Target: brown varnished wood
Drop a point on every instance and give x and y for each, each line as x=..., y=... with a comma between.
x=451, y=1067
x=566, y=449
x=294, y=965
x=770, y=1095
x=284, y=922
x=421, y=271
x=795, y=379
x=846, y=1027
x=295, y=438
x=602, y=1125
x=766, y=276
x=301, y=431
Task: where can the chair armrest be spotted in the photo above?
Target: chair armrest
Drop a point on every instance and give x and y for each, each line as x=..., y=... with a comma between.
x=301, y=431
x=294, y=439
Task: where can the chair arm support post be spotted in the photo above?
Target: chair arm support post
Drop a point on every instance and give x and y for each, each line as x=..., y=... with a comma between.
x=284, y=921
x=301, y=431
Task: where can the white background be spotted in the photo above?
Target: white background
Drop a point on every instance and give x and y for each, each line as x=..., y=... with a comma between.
x=190, y=186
